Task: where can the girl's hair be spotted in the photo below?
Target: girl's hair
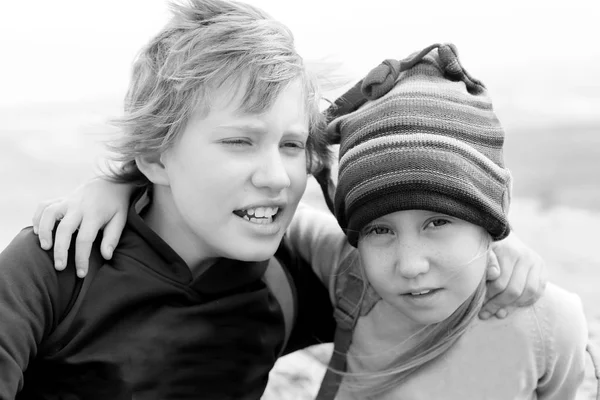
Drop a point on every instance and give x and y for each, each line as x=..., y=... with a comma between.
x=432, y=342
x=208, y=43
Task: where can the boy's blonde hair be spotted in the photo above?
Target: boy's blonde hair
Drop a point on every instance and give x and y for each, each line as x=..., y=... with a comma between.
x=208, y=43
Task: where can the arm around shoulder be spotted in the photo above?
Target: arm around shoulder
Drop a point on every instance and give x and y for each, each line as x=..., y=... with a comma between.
x=316, y=236
x=564, y=333
x=28, y=293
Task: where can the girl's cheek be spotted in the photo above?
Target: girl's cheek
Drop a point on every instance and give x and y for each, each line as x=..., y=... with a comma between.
x=373, y=264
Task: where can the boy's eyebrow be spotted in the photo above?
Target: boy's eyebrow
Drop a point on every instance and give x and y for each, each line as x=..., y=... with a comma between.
x=246, y=127
x=260, y=129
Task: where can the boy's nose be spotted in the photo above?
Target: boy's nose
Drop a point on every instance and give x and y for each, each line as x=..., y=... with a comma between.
x=411, y=261
x=271, y=172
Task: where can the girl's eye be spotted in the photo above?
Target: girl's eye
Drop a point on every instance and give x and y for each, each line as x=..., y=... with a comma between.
x=438, y=222
x=378, y=230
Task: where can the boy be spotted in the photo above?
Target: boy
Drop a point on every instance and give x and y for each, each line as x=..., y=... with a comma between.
x=216, y=134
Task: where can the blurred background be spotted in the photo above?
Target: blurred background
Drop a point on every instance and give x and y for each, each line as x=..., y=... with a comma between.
x=65, y=67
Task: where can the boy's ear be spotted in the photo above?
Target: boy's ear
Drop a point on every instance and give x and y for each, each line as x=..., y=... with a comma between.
x=152, y=166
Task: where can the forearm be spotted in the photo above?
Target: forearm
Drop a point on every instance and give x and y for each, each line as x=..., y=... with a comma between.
x=316, y=236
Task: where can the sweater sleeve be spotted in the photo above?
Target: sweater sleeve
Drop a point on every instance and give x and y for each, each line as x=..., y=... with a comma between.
x=564, y=334
x=28, y=290
x=317, y=237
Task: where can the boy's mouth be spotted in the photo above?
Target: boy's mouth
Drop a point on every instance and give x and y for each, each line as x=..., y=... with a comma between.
x=258, y=215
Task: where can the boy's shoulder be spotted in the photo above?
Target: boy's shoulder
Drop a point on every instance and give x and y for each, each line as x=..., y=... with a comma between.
x=27, y=268
x=24, y=253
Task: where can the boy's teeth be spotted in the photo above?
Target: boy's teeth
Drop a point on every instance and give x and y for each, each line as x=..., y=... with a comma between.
x=258, y=220
x=262, y=212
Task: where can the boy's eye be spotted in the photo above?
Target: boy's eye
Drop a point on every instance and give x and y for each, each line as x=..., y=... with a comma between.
x=237, y=142
x=294, y=144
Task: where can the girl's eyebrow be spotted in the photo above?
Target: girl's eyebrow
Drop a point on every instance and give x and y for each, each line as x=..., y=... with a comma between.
x=436, y=213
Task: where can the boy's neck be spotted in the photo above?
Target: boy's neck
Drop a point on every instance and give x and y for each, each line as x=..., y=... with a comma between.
x=161, y=216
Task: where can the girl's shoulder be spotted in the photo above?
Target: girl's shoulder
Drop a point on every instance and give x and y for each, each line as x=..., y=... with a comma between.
x=556, y=319
x=552, y=327
x=563, y=335
x=560, y=317
x=557, y=299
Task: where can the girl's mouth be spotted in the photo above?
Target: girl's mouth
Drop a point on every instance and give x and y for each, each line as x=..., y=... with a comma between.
x=421, y=293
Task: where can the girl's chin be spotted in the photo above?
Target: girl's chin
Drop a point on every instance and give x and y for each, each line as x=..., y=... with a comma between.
x=423, y=316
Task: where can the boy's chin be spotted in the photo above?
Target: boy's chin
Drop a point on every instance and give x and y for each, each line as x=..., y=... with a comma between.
x=260, y=252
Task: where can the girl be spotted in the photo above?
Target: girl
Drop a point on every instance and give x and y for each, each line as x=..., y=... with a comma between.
x=422, y=194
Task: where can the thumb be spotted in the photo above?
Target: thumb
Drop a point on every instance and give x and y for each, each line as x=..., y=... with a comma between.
x=493, y=267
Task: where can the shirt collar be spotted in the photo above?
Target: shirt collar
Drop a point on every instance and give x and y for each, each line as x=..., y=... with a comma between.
x=225, y=275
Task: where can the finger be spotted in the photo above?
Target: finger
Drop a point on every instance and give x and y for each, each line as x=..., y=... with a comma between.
x=39, y=211
x=83, y=245
x=62, y=240
x=511, y=292
x=501, y=313
x=499, y=284
x=493, y=267
x=112, y=234
x=51, y=214
x=533, y=286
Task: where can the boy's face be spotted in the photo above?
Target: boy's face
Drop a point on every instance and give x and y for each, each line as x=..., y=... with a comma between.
x=422, y=263
x=235, y=179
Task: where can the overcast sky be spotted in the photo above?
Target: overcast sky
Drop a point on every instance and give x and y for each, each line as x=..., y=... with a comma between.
x=65, y=66
x=70, y=50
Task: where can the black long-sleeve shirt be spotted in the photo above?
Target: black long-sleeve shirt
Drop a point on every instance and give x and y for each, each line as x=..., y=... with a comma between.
x=142, y=327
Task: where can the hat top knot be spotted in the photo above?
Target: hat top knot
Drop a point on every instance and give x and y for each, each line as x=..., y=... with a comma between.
x=381, y=79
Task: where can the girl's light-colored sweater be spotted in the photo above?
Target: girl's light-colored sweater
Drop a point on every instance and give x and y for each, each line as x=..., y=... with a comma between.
x=537, y=352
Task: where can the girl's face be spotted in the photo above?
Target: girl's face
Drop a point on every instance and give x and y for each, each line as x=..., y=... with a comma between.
x=424, y=264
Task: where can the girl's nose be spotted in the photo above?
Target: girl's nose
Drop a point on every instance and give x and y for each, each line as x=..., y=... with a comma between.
x=411, y=260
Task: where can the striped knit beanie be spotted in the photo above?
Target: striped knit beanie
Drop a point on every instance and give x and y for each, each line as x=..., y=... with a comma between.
x=420, y=133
